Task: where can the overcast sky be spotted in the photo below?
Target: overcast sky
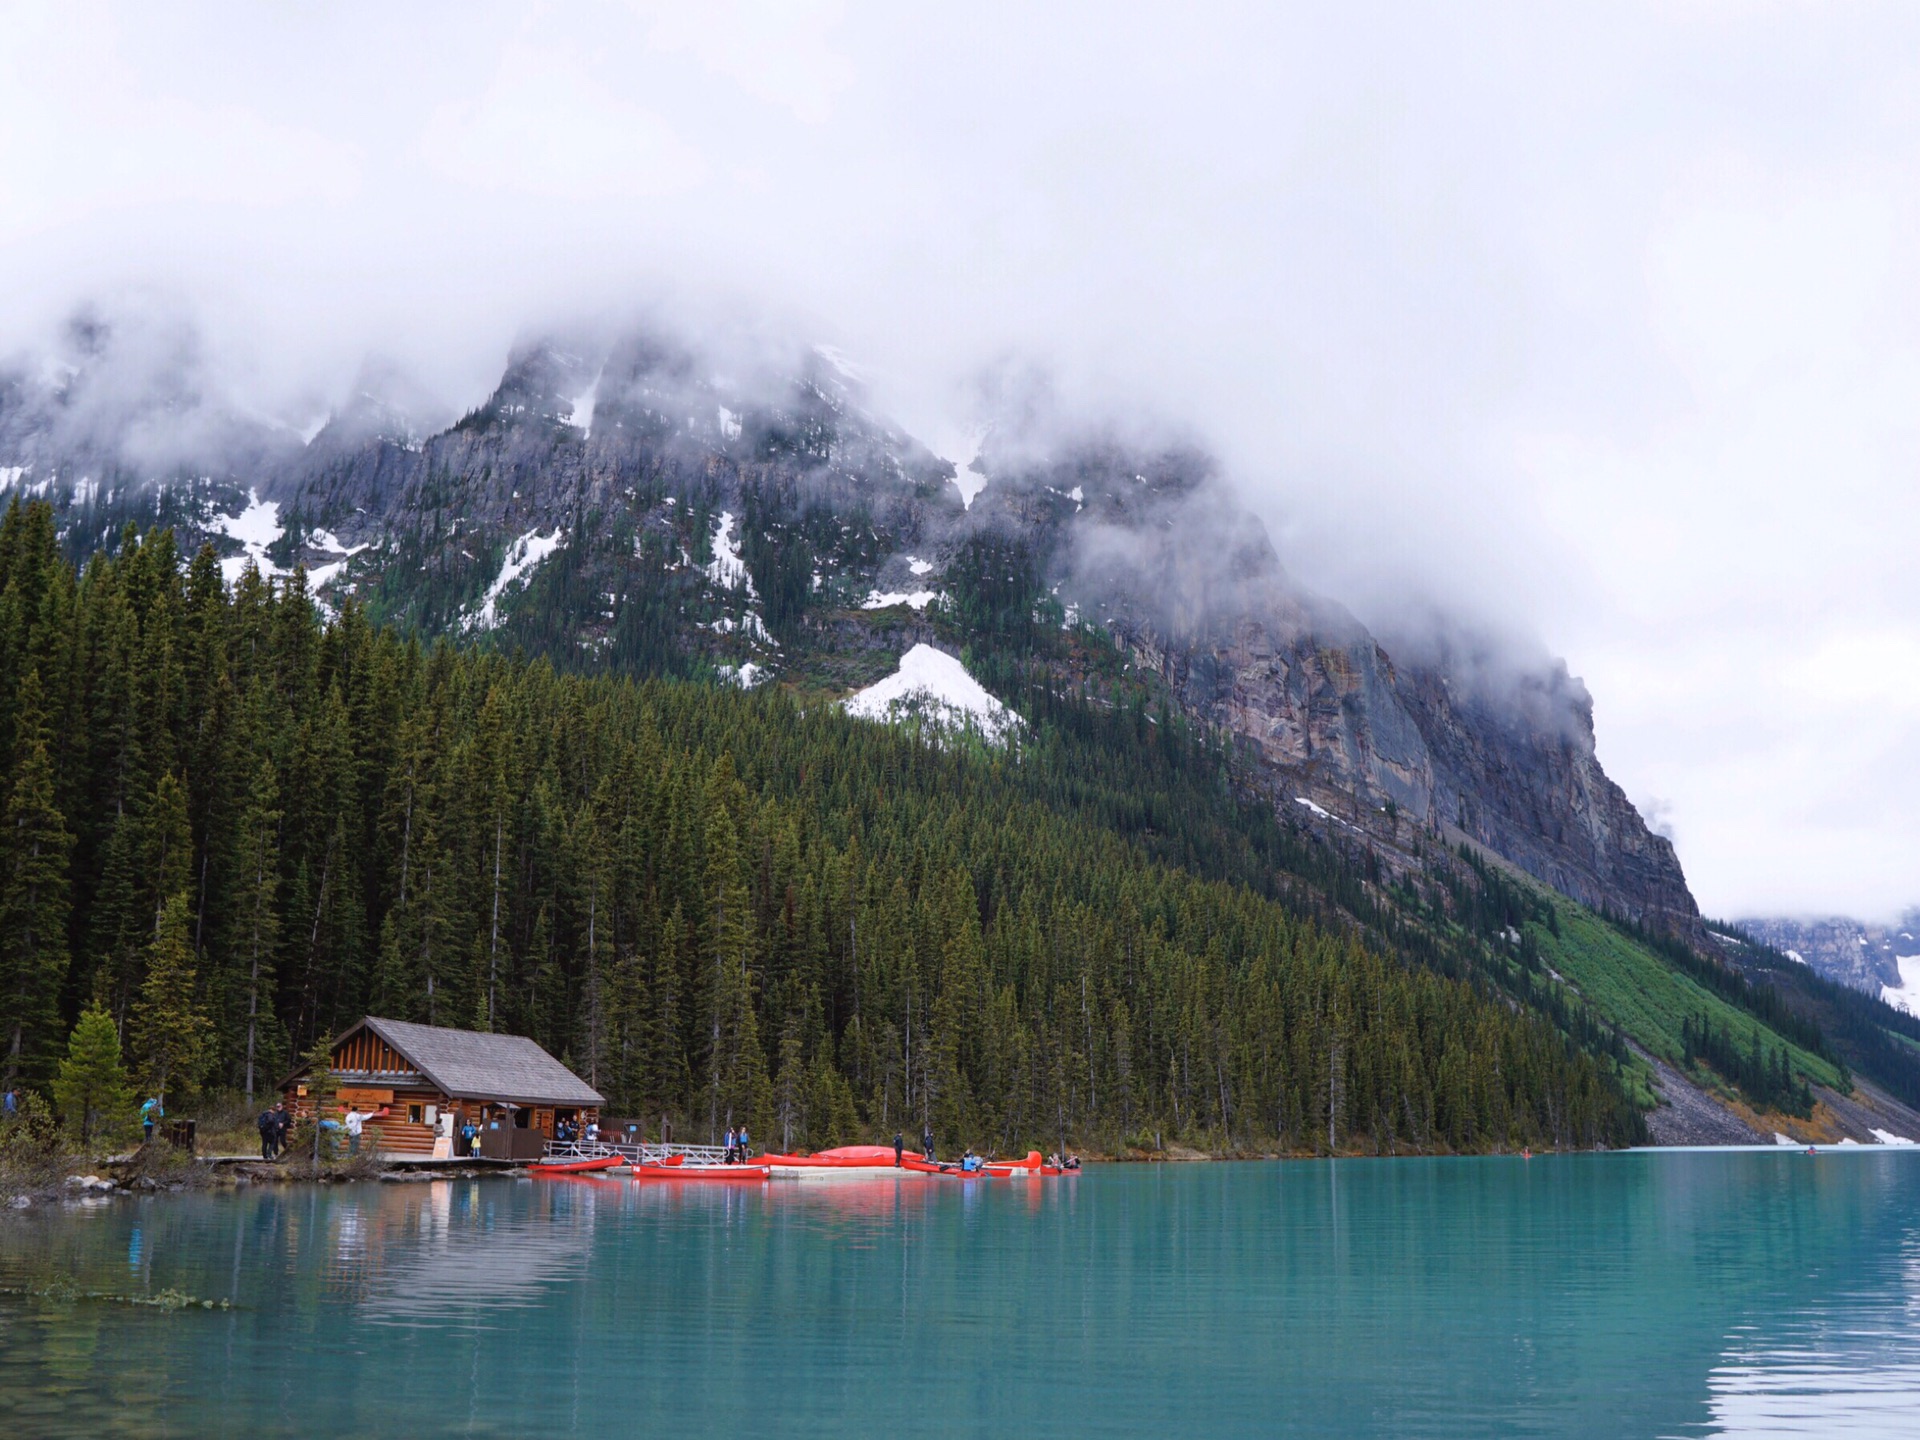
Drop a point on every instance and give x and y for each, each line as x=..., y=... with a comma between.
x=1596, y=321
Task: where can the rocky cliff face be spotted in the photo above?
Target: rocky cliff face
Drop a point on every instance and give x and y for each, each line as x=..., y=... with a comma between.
x=632, y=506
x=1450, y=736
x=1867, y=957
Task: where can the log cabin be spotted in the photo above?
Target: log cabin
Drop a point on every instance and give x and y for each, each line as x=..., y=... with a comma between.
x=422, y=1084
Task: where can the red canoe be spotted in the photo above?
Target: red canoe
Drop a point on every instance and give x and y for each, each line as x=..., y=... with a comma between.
x=846, y=1157
x=676, y=1171
x=576, y=1167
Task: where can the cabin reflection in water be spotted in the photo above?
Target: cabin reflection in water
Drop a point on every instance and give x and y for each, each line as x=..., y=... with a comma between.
x=434, y=1252
x=423, y=1086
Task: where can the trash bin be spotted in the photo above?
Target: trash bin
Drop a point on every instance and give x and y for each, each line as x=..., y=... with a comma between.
x=180, y=1134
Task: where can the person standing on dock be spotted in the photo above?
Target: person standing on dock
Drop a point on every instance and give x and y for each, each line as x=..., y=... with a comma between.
x=926, y=1141
x=355, y=1120
x=746, y=1145
x=899, y=1148
x=268, y=1125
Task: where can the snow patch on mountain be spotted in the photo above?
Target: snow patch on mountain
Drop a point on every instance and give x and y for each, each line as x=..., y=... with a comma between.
x=932, y=685
x=914, y=599
x=749, y=624
x=255, y=527
x=1906, y=995
x=522, y=556
x=322, y=575
x=727, y=569
x=843, y=363
x=583, y=403
x=961, y=455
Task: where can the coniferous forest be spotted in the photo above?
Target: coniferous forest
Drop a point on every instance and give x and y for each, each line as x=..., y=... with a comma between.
x=234, y=825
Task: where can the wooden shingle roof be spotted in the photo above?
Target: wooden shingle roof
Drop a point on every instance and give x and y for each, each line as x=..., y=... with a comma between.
x=469, y=1065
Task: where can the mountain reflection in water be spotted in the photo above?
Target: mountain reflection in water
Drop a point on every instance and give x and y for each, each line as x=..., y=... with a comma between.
x=1605, y=1295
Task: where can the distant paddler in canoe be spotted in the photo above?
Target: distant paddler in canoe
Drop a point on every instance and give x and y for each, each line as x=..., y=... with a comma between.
x=968, y=1167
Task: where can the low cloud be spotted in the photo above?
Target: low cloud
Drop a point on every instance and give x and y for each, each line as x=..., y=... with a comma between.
x=1589, y=326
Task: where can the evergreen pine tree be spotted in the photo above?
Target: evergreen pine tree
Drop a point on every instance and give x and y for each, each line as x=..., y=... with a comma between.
x=34, y=843
x=736, y=1064
x=91, y=1090
x=257, y=918
x=169, y=1025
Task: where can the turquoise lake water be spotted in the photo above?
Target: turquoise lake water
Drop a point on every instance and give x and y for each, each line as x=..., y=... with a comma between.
x=1607, y=1295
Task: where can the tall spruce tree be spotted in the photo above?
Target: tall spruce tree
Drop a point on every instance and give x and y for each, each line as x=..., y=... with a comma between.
x=736, y=1064
x=169, y=1025
x=256, y=938
x=34, y=843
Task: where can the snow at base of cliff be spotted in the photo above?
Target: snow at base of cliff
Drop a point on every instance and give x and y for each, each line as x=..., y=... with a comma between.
x=933, y=686
x=1907, y=995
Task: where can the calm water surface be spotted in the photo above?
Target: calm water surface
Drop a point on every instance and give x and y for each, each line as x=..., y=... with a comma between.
x=1606, y=1295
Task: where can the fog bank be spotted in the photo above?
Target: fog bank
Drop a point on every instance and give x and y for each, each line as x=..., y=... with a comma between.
x=1587, y=324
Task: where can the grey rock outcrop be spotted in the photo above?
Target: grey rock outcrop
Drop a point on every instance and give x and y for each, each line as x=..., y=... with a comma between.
x=1453, y=734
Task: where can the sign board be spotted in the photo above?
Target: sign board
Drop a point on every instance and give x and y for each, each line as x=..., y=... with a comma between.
x=349, y=1096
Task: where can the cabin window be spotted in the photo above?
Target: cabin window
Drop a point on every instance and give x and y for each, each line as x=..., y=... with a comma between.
x=416, y=1114
x=522, y=1118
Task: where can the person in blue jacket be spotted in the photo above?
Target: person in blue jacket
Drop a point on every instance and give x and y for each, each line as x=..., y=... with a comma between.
x=151, y=1112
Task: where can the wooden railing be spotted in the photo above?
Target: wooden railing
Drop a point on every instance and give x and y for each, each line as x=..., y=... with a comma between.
x=642, y=1153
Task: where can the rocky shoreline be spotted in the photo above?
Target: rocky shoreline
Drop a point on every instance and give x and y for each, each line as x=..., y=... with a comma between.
x=123, y=1177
